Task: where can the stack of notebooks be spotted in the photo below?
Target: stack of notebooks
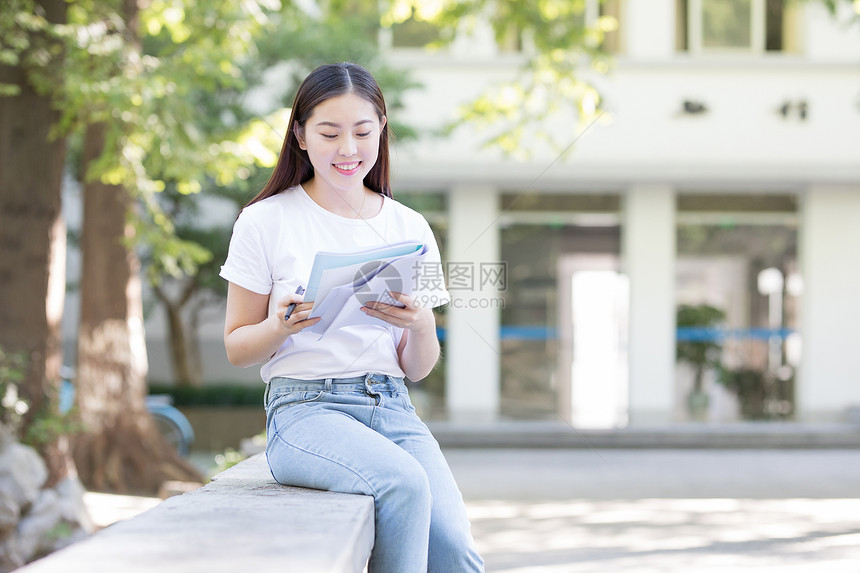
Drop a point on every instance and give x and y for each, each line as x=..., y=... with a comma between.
x=341, y=283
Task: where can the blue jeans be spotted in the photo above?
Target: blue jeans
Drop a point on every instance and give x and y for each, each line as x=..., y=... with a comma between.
x=361, y=435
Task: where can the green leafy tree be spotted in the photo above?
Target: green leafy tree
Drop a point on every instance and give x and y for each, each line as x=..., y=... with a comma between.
x=701, y=354
x=186, y=292
x=134, y=90
x=561, y=51
x=125, y=91
x=125, y=80
x=183, y=264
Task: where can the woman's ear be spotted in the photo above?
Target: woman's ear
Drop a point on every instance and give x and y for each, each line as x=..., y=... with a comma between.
x=300, y=135
x=382, y=122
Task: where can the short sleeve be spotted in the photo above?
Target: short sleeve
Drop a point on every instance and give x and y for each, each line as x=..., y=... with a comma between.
x=248, y=261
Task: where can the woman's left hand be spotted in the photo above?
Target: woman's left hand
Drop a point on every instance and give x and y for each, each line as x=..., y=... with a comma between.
x=412, y=317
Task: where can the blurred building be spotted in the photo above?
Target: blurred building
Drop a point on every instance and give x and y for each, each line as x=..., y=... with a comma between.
x=724, y=171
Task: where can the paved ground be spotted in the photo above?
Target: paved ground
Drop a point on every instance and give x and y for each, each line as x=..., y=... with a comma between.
x=647, y=510
x=563, y=510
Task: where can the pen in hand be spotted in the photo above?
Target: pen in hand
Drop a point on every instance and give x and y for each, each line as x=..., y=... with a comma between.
x=292, y=306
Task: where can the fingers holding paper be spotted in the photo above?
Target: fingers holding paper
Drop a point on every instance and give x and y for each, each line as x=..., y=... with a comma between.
x=412, y=316
x=293, y=313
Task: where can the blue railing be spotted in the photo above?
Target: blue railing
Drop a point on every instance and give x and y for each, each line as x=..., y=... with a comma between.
x=699, y=334
x=517, y=333
x=682, y=334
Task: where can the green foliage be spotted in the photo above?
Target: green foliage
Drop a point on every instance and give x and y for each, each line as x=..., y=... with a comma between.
x=761, y=394
x=49, y=425
x=835, y=6
x=226, y=460
x=29, y=41
x=230, y=457
x=750, y=386
x=167, y=89
x=330, y=37
x=169, y=83
x=12, y=407
x=700, y=354
x=238, y=147
x=560, y=50
x=226, y=395
x=62, y=530
x=46, y=425
x=179, y=245
x=699, y=316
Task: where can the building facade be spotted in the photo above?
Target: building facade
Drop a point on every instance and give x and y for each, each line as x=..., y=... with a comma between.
x=723, y=173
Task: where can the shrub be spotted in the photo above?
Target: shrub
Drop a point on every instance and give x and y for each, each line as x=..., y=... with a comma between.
x=225, y=395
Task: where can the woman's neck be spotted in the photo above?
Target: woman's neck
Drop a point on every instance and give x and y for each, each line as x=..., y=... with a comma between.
x=359, y=203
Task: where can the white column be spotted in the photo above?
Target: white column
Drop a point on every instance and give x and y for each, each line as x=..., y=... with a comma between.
x=649, y=28
x=648, y=255
x=829, y=377
x=472, y=349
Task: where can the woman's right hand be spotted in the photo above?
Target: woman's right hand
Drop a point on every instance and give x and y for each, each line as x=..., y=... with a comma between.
x=298, y=319
x=251, y=334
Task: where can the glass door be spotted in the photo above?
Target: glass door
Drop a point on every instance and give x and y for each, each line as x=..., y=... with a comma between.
x=593, y=312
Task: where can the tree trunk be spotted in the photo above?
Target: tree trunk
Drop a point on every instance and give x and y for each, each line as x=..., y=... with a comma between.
x=33, y=243
x=181, y=337
x=195, y=357
x=120, y=449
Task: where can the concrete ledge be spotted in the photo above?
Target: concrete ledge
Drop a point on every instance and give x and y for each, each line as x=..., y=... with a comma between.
x=242, y=521
x=743, y=435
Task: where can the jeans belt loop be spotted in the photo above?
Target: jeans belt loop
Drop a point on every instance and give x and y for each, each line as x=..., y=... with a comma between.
x=266, y=394
x=328, y=385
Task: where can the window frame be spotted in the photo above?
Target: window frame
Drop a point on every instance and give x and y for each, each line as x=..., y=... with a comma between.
x=695, y=30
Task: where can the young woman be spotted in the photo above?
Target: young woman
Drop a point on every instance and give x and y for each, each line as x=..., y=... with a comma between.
x=339, y=417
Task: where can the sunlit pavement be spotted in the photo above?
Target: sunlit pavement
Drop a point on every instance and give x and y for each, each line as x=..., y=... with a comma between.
x=106, y=508
x=611, y=510
x=562, y=510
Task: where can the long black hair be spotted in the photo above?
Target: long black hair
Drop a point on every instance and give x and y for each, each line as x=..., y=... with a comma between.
x=325, y=82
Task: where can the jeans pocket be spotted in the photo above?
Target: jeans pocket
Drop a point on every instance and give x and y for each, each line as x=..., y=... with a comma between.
x=289, y=398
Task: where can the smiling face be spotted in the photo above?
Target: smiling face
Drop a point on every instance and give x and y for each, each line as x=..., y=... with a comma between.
x=341, y=138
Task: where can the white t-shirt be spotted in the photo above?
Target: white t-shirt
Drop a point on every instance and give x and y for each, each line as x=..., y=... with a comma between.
x=272, y=251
